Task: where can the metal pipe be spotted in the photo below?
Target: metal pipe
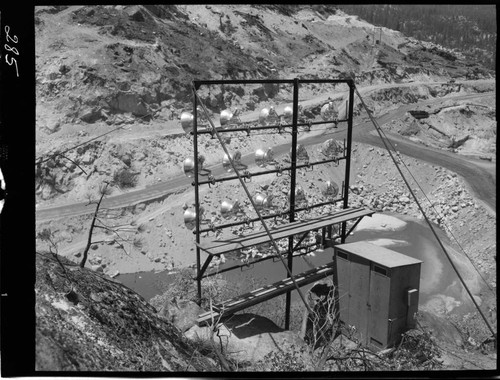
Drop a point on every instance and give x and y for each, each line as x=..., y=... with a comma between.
x=234, y=224
x=196, y=194
x=198, y=83
x=293, y=176
x=348, y=157
x=242, y=128
x=270, y=171
x=201, y=273
x=300, y=241
x=246, y=81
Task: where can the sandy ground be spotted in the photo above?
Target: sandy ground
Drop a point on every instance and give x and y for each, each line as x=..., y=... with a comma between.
x=380, y=222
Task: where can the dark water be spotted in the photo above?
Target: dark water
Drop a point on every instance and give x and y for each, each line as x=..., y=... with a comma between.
x=438, y=282
x=438, y=279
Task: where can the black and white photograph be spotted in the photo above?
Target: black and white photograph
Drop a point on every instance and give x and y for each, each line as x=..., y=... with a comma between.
x=257, y=190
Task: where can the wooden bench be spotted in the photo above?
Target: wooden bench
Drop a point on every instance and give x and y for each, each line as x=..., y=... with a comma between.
x=265, y=293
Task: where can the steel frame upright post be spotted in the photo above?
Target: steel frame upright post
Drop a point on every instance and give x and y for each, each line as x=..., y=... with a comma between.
x=293, y=173
x=348, y=155
x=196, y=193
x=293, y=178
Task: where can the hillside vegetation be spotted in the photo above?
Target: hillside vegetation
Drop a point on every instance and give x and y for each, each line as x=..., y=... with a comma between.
x=470, y=29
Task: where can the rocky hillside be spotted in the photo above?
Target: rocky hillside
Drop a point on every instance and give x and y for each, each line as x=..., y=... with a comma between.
x=118, y=63
x=462, y=127
x=87, y=322
x=468, y=29
x=105, y=67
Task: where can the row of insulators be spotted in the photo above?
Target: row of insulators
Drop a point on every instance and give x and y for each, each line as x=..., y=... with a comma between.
x=261, y=202
x=264, y=156
x=267, y=116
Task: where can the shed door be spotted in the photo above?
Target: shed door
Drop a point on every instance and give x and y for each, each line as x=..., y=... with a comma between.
x=359, y=290
x=379, y=304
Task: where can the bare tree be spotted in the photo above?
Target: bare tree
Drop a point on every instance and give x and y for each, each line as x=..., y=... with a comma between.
x=105, y=219
x=48, y=236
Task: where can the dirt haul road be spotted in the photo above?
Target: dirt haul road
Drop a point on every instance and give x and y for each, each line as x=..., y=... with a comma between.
x=479, y=175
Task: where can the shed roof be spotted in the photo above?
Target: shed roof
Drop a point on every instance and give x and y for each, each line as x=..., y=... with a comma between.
x=377, y=254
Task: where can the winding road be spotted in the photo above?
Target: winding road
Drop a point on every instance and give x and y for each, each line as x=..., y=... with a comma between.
x=479, y=175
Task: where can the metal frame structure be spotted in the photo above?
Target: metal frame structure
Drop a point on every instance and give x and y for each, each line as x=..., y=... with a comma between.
x=291, y=212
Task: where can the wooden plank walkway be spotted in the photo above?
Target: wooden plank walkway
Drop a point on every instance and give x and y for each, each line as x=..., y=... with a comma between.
x=265, y=293
x=218, y=247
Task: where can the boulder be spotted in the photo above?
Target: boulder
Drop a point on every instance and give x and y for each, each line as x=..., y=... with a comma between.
x=90, y=114
x=404, y=199
x=182, y=314
x=126, y=159
x=53, y=75
x=260, y=93
x=129, y=102
x=47, y=192
x=64, y=69
x=97, y=268
x=136, y=14
x=140, y=207
x=95, y=260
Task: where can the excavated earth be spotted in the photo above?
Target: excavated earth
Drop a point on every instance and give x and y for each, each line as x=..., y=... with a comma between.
x=125, y=71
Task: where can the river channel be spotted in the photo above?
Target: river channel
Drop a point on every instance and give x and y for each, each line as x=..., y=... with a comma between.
x=440, y=288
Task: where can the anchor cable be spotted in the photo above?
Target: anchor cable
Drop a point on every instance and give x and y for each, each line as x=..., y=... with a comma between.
x=51, y=156
x=440, y=216
x=268, y=232
x=378, y=129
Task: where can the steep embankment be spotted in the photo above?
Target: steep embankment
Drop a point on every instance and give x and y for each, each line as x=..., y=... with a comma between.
x=87, y=322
